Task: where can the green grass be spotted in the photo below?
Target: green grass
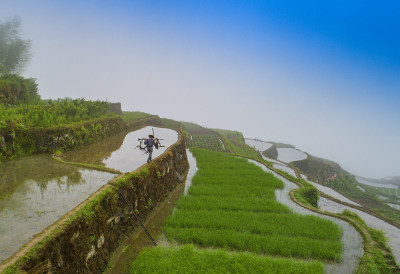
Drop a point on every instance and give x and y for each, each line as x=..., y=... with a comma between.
x=190, y=202
x=231, y=204
x=53, y=112
x=256, y=223
x=187, y=259
x=275, y=244
x=128, y=116
x=235, y=142
x=209, y=142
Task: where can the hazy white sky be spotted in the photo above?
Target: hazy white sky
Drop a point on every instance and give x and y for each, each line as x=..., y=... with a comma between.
x=267, y=70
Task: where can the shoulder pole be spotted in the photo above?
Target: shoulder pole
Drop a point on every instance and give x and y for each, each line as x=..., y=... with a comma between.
x=137, y=217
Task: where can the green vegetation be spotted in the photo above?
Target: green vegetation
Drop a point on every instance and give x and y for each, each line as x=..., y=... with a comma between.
x=271, y=152
x=377, y=257
x=51, y=113
x=209, y=142
x=308, y=195
x=14, y=51
x=319, y=170
x=187, y=259
x=15, y=89
x=231, y=204
x=169, y=123
x=128, y=116
x=393, y=195
x=201, y=137
x=195, y=129
x=235, y=142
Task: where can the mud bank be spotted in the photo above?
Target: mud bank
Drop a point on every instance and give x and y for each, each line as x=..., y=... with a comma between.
x=83, y=239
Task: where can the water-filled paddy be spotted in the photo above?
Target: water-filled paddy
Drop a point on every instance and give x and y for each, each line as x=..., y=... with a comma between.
x=351, y=239
x=365, y=182
x=391, y=232
x=121, y=152
x=288, y=155
x=35, y=191
x=332, y=193
x=285, y=168
x=396, y=206
x=258, y=145
x=271, y=160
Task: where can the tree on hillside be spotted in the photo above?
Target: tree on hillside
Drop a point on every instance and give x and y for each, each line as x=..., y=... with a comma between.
x=14, y=51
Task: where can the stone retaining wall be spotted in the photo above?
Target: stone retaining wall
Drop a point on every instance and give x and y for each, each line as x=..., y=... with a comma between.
x=84, y=239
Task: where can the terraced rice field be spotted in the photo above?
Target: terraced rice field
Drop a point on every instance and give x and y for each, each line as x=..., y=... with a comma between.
x=231, y=206
x=187, y=259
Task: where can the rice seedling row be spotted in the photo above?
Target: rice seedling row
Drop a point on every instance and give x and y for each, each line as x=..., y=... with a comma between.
x=256, y=223
x=280, y=245
x=244, y=215
x=187, y=259
x=209, y=202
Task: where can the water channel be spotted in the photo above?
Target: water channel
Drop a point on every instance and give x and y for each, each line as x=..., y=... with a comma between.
x=351, y=239
x=35, y=191
x=391, y=232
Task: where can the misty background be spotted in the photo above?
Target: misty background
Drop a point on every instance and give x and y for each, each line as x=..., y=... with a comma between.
x=321, y=76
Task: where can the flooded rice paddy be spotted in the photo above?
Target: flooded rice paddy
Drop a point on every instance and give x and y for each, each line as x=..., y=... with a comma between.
x=285, y=168
x=391, y=232
x=35, y=192
x=271, y=160
x=138, y=241
x=351, y=239
x=332, y=193
x=288, y=155
x=258, y=145
x=121, y=152
x=365, y=182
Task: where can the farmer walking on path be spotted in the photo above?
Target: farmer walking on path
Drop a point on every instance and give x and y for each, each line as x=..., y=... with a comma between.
x=149, y=146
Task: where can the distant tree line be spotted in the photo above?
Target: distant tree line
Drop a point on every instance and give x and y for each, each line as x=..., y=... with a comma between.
x=14, y=55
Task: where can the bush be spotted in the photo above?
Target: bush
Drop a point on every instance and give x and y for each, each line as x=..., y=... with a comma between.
x=309, y=194
x=15, y=89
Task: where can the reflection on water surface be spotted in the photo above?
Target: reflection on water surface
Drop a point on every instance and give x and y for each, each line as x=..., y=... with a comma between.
x=351, y=239
x=35, y=191
x=121, y=152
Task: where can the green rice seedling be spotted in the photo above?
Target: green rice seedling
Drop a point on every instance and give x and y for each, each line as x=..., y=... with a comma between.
x=186, y=259
x=233, y=190
x=280, y=245
x=255, y=204
x=231, y=204
x=239, y=178
x=257, y=223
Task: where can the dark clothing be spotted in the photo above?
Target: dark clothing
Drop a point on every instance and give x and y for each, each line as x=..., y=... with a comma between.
x=149, y=143
x=149, y=146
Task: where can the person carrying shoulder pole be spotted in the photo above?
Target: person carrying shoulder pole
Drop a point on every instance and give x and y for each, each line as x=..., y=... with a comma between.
x=149, y=146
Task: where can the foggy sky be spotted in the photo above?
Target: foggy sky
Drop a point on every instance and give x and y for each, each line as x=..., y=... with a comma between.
x=323, y=78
